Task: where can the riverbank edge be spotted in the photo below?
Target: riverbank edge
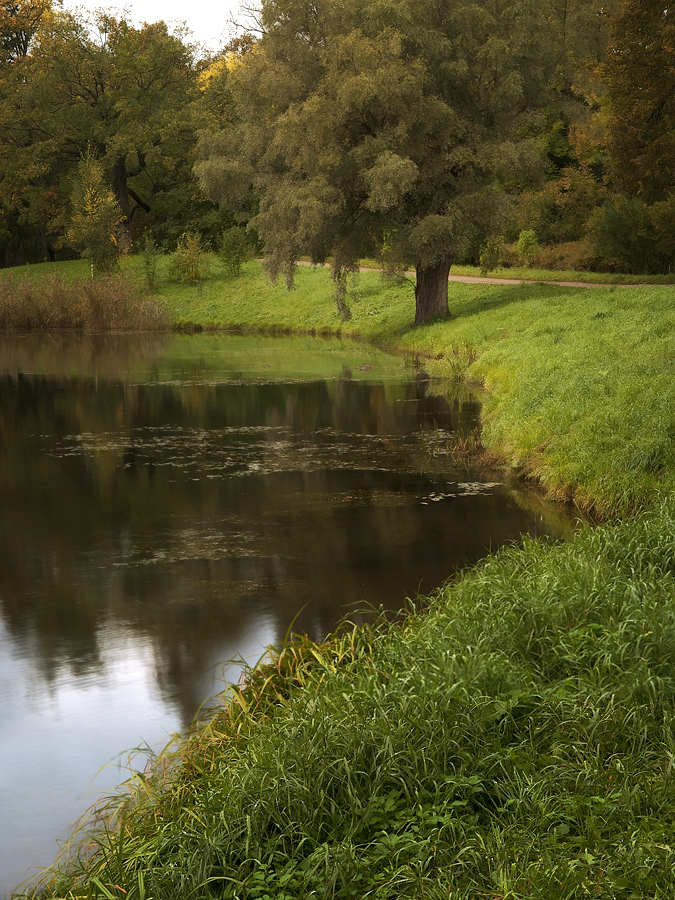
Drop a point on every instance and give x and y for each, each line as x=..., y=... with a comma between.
x=566, y=615
x=505, y=337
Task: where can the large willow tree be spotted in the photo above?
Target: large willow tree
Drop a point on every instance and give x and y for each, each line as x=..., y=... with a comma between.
x=392, y=127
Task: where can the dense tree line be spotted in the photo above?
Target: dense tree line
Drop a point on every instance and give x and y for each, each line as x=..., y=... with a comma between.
x=129, y=100
x=422, y=133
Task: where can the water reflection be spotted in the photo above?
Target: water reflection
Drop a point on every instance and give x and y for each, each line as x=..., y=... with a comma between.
x=168, y=504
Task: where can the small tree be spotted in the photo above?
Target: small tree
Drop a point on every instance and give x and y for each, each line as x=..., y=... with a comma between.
x=233, y=249
x=150, y=253
x=189, y=263
x=528, y=246
x=491, y=255
x=96, y=219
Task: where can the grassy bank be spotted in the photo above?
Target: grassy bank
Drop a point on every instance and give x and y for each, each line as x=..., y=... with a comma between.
x=513, y=742
x=580, y=388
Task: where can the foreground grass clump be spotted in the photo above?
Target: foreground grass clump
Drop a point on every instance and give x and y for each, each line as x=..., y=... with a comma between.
x=53, y=303
x=515, y=741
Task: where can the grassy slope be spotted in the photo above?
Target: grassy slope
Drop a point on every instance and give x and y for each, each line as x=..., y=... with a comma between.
x=515, y=741
x=580, y=386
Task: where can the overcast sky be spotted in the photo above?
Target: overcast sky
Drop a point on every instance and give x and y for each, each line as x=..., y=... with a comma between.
x=208, y=20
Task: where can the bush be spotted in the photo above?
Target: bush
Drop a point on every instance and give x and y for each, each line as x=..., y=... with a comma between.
x=233, y=249
x=190, y=263
x=559, y=211
x=528, y=246
x=577, y=256
x=491, y=256
x=150, y=253
x=623, y=236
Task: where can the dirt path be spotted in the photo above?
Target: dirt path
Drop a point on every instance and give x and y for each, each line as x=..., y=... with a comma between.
x=479, y=279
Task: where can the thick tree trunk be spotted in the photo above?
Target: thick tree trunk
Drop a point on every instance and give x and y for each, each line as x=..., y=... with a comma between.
x=431, y=292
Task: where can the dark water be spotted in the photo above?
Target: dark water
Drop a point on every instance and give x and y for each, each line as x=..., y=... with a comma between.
x=171, y=503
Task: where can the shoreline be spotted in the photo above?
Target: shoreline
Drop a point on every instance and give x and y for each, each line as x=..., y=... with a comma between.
x=505, y=740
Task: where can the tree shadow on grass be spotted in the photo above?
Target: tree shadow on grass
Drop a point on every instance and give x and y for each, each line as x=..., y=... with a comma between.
x=487, y=297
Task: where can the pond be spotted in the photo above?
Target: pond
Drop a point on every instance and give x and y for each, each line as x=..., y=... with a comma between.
x=172, y=503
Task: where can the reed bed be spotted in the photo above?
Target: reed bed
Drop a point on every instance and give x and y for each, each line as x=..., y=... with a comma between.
x=516, y=740
x=52, y=303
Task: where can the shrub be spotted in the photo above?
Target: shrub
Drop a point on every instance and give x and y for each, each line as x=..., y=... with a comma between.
x=491, y=256
x=528, y=246
x=624, y=238
x=150, y=253
x=560, y=210
x=577, y=256
x=95, y=227
x=190, y=264
x=233, y=249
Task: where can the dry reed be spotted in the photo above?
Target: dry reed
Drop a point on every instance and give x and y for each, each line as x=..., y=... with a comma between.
x=112, y=303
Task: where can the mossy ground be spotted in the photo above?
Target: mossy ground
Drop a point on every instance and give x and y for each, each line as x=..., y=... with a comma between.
x=516, y=738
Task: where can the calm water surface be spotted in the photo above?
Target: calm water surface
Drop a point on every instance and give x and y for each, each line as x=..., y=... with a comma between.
x=171, y=503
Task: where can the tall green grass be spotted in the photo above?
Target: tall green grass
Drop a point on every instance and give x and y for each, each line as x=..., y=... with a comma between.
x=515, y=741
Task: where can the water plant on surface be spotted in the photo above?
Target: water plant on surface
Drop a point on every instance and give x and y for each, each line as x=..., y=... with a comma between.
x=515, y=741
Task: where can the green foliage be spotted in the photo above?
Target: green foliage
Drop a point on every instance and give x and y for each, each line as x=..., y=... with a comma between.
x=624, y=237
x=639, y=74
x=132, y=94
x=387, y=129
x=95, y=227
x=190, y=263
x=528, y=246
x=233, y=249
x=491, y=256
x=19, y=22
x=560, y=210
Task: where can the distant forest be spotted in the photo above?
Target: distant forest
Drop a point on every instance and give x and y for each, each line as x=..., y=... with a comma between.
x=419, y=133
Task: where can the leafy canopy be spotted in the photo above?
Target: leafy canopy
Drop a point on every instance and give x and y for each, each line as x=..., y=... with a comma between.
x=392, y=127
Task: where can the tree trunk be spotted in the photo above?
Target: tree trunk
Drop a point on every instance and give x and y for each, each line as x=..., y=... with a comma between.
x=121, y=189
x=431, y=292
x=47, y=243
